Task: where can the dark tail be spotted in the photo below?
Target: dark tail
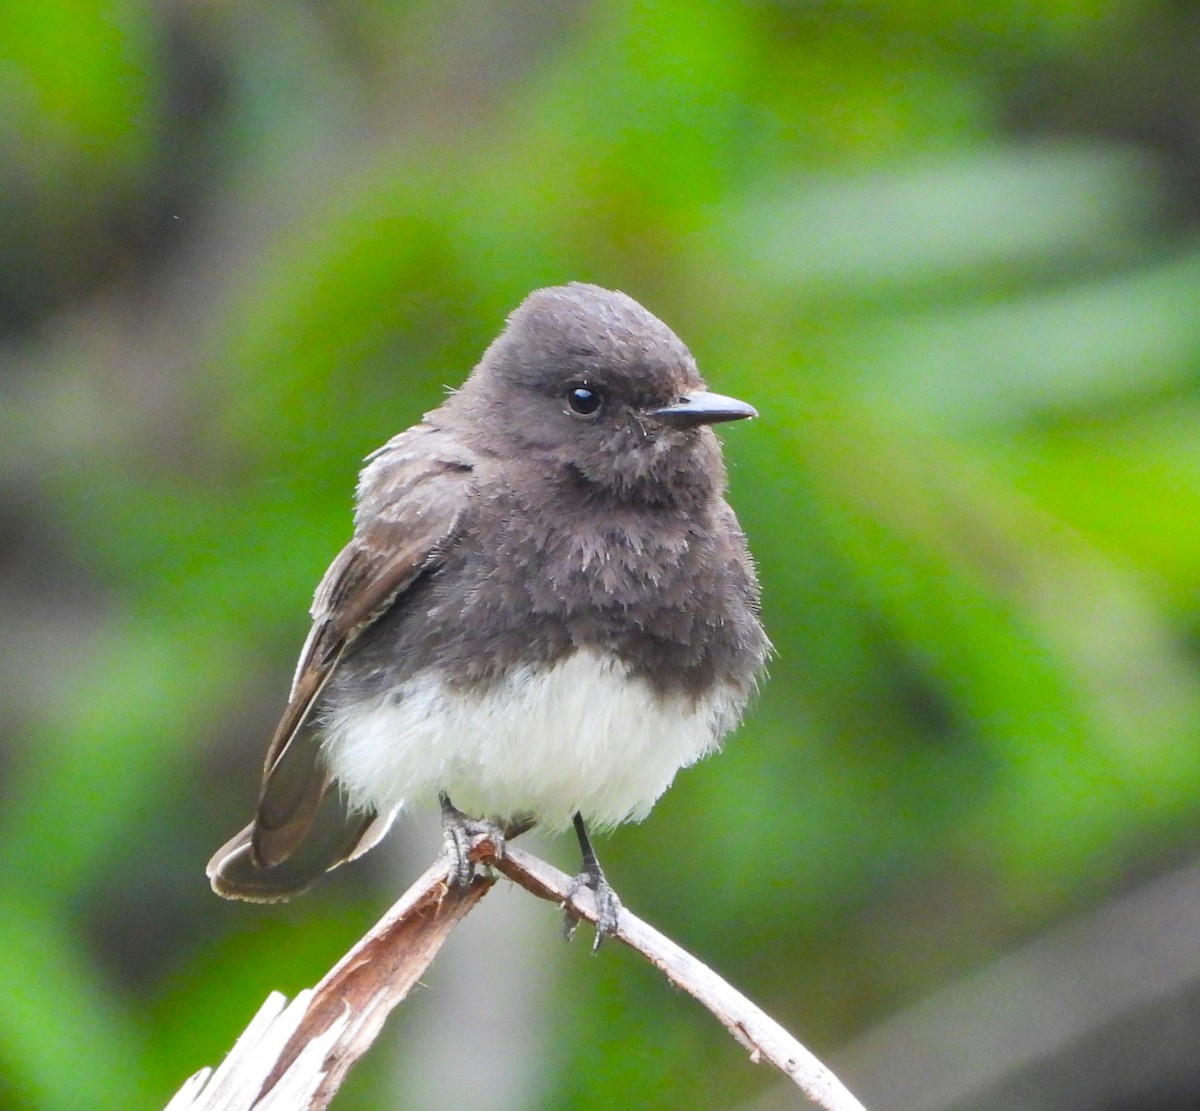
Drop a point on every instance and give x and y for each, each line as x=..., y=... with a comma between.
x=335, y=837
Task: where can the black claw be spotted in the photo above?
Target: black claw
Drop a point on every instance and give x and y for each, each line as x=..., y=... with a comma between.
x=608, y=907
x=461, y=835
x=591, y=876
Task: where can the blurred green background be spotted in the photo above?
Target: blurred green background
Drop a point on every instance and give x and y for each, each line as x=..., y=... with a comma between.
x=948, y=250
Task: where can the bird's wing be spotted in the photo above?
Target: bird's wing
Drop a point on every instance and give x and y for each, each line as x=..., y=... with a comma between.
x=412, y=497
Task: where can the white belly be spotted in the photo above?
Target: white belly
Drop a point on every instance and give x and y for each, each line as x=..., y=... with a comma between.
x=576, y=736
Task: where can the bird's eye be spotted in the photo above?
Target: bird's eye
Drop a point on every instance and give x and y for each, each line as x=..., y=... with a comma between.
x=584, y=400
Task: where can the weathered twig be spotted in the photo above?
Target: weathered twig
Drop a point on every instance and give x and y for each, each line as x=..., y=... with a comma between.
x=756, y=1030
x=297, y=1057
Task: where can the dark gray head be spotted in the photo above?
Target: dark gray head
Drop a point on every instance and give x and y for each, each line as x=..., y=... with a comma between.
x=586, y=381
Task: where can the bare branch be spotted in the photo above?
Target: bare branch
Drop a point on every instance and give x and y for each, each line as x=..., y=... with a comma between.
x=297, y=1056
x=757, y=1031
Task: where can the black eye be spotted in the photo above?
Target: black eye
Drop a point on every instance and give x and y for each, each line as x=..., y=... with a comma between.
x=584, y=400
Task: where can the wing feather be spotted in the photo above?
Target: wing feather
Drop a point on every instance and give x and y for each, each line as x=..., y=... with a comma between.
x=413, y=494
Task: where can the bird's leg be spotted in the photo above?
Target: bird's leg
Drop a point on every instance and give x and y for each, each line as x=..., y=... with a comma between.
x=462, y=834
x=591, y=875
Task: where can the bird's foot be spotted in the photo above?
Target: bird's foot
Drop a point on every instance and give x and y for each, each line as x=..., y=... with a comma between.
x=462, y=836
x=608, y=906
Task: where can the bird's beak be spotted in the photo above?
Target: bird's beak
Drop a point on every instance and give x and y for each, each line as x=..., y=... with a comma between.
x=702, y=407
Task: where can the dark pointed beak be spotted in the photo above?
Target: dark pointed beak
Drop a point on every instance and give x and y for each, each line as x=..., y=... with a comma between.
x=703, y=407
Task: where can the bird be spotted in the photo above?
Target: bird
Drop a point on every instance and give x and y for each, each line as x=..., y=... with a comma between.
x=547, y=608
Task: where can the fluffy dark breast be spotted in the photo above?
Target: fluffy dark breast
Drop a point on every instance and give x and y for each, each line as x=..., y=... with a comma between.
x=673, y=595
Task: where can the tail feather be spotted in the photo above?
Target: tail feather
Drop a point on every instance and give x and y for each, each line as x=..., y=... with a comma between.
x=292, y=791
x=335, y=837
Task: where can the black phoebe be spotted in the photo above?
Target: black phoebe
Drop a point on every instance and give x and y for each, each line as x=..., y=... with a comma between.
x=546, y=610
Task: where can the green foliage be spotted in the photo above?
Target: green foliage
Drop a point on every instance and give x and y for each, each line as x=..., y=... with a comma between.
x=973, y=492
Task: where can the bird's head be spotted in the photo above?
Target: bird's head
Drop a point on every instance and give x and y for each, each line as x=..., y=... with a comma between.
x=586, y=381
